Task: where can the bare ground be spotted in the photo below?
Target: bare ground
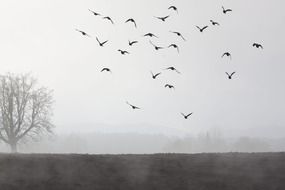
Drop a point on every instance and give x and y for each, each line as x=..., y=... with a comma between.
x=231, y=171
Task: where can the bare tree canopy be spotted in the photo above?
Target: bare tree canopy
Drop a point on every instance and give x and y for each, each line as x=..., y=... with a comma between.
x=25, y=109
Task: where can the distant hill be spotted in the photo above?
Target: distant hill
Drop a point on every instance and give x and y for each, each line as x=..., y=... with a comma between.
x=232, y=171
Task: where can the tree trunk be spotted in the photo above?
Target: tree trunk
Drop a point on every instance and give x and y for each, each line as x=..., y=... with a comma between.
x=13, y=147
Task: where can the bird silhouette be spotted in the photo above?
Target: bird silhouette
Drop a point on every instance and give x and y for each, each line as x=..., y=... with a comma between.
x=109, y=18
x=106, y=69
x=156, y=47
x=174, y=46
x=227, y=54
x=257, y=45
x=163, y=18
x=131, y=43
x=186, y=116
x=169, y=86
x=101, y=43
x=131, y=20
x=94, y=13
x=226, y=10
x=173, y=69
x=230, y=76
x=83, y=33
x=178, y=34
x=202, y=29
x=154, y=76
x=150, y=35
x=132, y=106
x=123, y=52
x=214, y=23
x=173, y=8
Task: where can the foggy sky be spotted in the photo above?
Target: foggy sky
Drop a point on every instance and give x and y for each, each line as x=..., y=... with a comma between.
x=39, y=36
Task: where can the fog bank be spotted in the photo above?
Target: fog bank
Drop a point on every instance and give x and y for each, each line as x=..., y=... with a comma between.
x=135, y=143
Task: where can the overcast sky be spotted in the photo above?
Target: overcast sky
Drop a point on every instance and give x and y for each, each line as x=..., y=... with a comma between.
x=39, y=36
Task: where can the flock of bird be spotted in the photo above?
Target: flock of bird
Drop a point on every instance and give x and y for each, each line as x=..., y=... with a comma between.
x=157, y=48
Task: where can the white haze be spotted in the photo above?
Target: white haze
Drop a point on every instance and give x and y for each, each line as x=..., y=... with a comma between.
x=39, y=36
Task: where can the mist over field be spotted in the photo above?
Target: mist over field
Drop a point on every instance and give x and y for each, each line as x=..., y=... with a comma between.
x=139, y=143
x=142, y=94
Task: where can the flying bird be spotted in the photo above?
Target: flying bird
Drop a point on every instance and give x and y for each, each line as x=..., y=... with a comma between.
x=174, y=46
x=173, y=69
x=94, y=13
x=178, y=34
x=173, y=8
x=226, y=10
x=131, y=43
x=230, y=75
x=163, y=18
x=186, y=116
x=106, y=69
x=257, y=45
x=83, y=33
x=101, y=43
x=154, y=76
x=202, y=29
x=150, y=35
x=131, y=20
x=214, y=23
x=109, y=18
x=169, y=86
x=227, y=54
x=123, y=52
x=156, y=47
x=132, y=106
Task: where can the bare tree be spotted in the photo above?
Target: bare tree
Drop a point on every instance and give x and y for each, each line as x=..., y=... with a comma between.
x=25, y=109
